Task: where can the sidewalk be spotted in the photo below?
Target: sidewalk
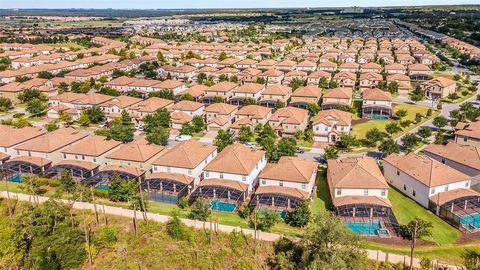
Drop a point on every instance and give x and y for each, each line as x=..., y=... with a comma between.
x=265, y=236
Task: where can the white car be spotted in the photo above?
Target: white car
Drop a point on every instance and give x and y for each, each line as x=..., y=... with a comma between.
x=139, y=127
x=250, y=145
x=183, y=138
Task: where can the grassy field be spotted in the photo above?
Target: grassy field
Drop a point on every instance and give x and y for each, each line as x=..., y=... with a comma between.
x=361, y=129
x=88, y=23
x=70, y=45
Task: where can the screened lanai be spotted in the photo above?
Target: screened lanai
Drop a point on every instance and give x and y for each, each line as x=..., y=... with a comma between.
x=459, y=207
x=27, y=164
x=167, y=187
x=78, y=169
x=102, y=179
x=367, y=215
x=277, y=198
x=224, y=195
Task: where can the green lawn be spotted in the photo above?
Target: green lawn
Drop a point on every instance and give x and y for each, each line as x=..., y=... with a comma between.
x=360, y=130
x=70, y=45
x=322, y=200
x=406, y=210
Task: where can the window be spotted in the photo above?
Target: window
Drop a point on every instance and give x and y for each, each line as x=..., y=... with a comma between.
x=94, y=159
x=339, y=192
x=304, y=186
x=207, y=174
x=443, y=160
x=432, y=190
x=446, y=187
x=467, y=184
x=76, y=157
x=221, y=175
x=365, y=192
x=414, y=193
x=168, y=169
x=29, y=153
x=280, y=183
x=64, y=156
x=264, y=182
x=398, y=172
x=205, y=161
x=141, y=165
x=18, y=152
x=83, y=157
x=244, y=178
x=383, y=192
x=404, y=187
x=189, y=172
x=465, y=139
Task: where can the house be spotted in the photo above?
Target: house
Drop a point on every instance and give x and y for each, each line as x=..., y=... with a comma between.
x=173, y=85
x=84, y=158
x=234, y=170
x=283, y=184
x=305, y=95
x=359, y=194
x=90, y=100
x=370, y=80
x=286, y=65
x=67, y=99
x=266, y=64
x=115, y=106
x=294, y=75
x=377, y=104
x=345, y=79
x=349, y=67
x=286, y=121
x=468, y=133
x=330, y=125
x=47, y=148
x=249, y=75
x=315, y=77
x=245, y=64
x=273, y=76
x=463, y=158
x=196, y=91
x=220, y=116
x=121, y=83
x=178, y=171
x=148, y=106
x=251, y=116
x=191, y=108
x=307, y=66
x=371, y=67
x=274, y=94
x=439, y=87
x=221, y=89
x=10, y=137
x=327, y=66
x=404, y=83
x=336, y=97
x=246, y=90
x=419, y=72
x=395, y=68
x=435, y=186
x=134, y=156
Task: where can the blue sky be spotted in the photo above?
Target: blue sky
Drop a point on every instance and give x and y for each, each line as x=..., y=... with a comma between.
x=182, y=4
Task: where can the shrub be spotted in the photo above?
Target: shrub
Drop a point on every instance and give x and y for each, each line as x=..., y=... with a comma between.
x=54, y=183
x=183, y=203
x=429, y=112
x=101, y=193
x=245, y=212
x=265, y=220
x=177, y=229
x=406, y=123
x=18, y=115
x=453, y=96
x=200, y=210
x=106, y=236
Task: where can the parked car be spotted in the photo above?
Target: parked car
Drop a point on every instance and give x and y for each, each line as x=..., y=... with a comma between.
x=300, y=151
x=250, y=145
x=139, y=127
x=182, y=138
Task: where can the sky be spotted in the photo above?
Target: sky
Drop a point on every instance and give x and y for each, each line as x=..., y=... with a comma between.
x=185, y=4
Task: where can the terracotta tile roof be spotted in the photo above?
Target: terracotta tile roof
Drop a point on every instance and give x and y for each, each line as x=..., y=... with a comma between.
x=327, y=116
x=221, y=108
x=463, y=154
x=196, y=90
x=296, y=73
x=136, y=152
x=395, y=66
x=398, y=77
x=236, y=159
x=188, y=154
x=254, y=111
x=426, y=170
x=320, y=74
x=12, y=136
x=38, y=161
x=121, y=81
x=169, y=84
x=223, y=87
x=136, y=172
x=93, y=99
x=340, y=92
x=219, y=120
x=345, y=75
x=180, y=117
x=177, y=177
x=418, y=67
x=290, y=115
x=308, y=91
x=251, y=88
x=186, y=105
x=471, y=129
x=151, y=104
x=68, y=97
x=439, y=81
x=355, y=173
x=92, y=146
x=52, y=141
x=232, y=184
x=285, y=191
x=277, y=89
x=376, y=94
x=371, y=76
x=121, y=102
x=290, y=169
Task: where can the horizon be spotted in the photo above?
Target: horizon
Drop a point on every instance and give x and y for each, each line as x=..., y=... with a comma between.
x=217, y=4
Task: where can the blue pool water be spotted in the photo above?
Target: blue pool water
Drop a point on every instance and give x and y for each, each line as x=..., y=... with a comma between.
x=378, y=117
x=166, y=198
x=472, y=220
x=369, y=228
x=222, y=206
x=15, y=178
x=102, y=187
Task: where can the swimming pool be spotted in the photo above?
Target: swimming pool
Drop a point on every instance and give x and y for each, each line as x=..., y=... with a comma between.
x=378, y=117
x=368, y=228
x=223, y=206
x=15, y=178
x=473, y=221
x=102, y=187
